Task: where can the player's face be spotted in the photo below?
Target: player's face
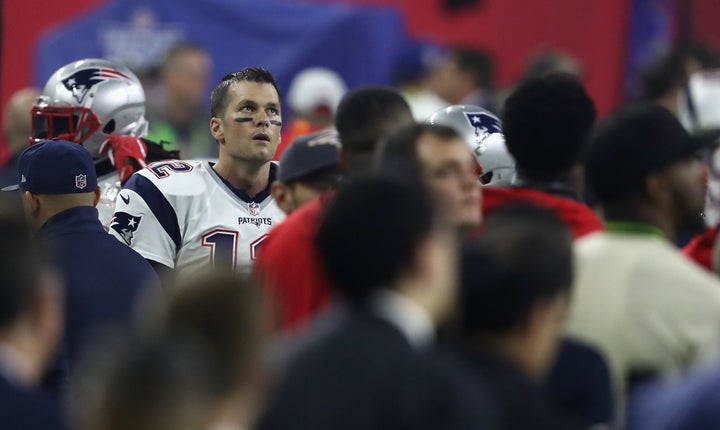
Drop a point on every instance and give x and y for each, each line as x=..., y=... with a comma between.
x=249, y=129
x=187, y=77
x=451, y=174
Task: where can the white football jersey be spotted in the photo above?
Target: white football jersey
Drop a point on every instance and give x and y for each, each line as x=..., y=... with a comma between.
x=109, y=188
x=183, y=215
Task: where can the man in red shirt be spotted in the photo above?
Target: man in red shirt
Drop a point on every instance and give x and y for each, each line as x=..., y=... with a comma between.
x=288, y=264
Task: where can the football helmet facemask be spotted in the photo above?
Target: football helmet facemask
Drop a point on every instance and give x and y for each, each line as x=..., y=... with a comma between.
x=88, y=100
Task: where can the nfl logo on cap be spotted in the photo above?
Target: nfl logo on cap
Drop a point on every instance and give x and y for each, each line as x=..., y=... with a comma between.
x=55, y=167
x=81, y=181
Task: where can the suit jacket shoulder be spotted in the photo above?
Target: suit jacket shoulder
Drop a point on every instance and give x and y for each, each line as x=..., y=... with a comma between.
x=23, y=409
x=362, y=373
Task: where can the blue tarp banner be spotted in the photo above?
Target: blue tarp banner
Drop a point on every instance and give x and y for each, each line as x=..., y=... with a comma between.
x=650, y=36
x=360, y=43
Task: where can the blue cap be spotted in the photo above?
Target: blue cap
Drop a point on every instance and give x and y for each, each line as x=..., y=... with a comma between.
x=308, y=154
x=56, y=167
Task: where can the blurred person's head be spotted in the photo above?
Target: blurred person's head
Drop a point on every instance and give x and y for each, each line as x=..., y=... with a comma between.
x=413, y=69
x=547, y=122
x=185, y=74
x=644, y=167
x=365, y=116
x=314, y=95
x=384, y=234
x=224, y=311
x=415, y=63
x=463, y=72
x=447, y=166
x=308, y=167
x=547, y=62
x=31, y=315
x=53, y=176
x=666, y=78
x=515, y=286
x=17, y=124
x=88, y=100
x=148, y=384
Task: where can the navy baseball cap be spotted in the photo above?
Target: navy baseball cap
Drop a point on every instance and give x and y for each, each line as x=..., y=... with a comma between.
x=309, y=154
x=55, y=167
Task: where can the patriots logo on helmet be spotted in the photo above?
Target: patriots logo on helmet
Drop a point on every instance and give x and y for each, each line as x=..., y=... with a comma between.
x=484, y=122
x=80, y=82
x=484, y=125
x=125, y=225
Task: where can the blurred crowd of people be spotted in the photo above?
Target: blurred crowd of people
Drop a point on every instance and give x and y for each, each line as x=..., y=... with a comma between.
x=441, y=254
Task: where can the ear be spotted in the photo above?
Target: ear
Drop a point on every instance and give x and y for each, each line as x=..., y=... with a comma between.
x=576, y=178
x=542, y=330
x=435, y=258
x=422, y=257
x=283, y=197
x=31, y=204
x=216, y=129
x=538, y=317
x=96, y=199
x=657, y=190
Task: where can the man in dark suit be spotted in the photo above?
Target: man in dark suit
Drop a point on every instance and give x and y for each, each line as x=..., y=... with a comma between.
x=515, y=288
x=30, y=328
x=370, y=364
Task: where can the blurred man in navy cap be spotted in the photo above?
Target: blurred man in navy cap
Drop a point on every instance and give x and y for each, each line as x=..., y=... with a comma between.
x=103, y=276
x=309, y=167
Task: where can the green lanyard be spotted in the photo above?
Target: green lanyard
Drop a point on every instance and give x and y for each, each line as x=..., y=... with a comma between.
x=634, y=228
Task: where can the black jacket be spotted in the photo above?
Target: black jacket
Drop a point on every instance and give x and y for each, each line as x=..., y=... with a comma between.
x=357, y=371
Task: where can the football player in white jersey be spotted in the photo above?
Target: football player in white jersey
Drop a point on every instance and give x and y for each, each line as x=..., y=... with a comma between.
x=188, y=215
x=99, y=104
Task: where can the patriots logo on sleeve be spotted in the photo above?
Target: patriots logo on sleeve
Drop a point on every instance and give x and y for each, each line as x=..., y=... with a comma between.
x=125, y=225
x=80, y=82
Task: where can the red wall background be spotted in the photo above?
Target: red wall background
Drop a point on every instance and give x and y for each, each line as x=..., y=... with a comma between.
x=593, y=31
x=23, y=23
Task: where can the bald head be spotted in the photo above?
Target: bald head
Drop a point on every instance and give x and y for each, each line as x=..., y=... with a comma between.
x=40, y=207
x=17, y=124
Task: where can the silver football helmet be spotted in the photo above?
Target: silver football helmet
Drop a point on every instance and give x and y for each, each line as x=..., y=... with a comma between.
x=483, y=134
x=88, y=100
